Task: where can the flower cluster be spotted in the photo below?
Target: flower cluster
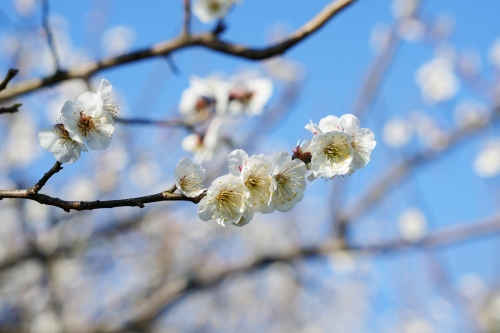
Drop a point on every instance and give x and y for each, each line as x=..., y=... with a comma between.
x=211, y=10
x=256, y=185
x=88, y=121
x=339, y=147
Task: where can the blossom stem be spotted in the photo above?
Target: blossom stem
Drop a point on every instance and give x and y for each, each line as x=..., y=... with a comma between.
x=41, y=183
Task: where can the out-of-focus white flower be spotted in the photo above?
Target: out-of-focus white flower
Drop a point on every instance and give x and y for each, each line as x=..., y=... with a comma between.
x=21, y=146
x=397, y=132
x=437, y=80
x=189, y=178
x=289, y=182
x=411, y=30
x=204, y=148
x=248, y=95
x=471, y=113
x=332, y=154
x=494, y=54
x=25, y=7
x=379, y=39
x=211, y=10
x=205, y=96
x=362, y=140
x=403, y=8
x=56, y=140
x=469, y=62
x=283, y=69
x=418, y=325
x=225, y=202
x=327, y=124
x=429, y=132
x=256, y=175
x=117, y=40
x=443, y=26
x=472, y=286
x=487, y=163
x=412, y=225
x=46, y=322
x=87, y=122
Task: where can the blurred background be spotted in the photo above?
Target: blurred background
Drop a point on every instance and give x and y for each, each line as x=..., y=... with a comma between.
x=408, y=244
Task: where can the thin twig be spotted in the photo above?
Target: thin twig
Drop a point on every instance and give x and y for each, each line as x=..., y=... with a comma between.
x=187, y=17
x=152, y=122
x=10, y=109
x=48, y=33
x=10, y=75
x=41, y=183
x=207, y=40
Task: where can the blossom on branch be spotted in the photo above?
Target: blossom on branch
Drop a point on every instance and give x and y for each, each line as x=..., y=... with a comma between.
x=87, y=122
x=211, y=10
x=189, y=178
x=288, y=180
x=204, y=97
x=56, y=140
x=225, y=202
x=362, y=140
x=332, y=154
x=249, y=95
x=109, y=107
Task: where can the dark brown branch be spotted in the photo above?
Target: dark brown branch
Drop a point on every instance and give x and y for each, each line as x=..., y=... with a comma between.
x=41, y=183
x=207, y=40
x=187, y=17
x=48, y=32
x=90, y=205
x=10, y=75
x=151, y=122
x=10, y=109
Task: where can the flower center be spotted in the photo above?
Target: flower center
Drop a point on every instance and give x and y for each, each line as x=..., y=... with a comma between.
x=203, y=103
x=214, y=6
x=259, y=188
x=336, y=152
x=286, y=183
x=86, y=124
x=242, y=95
x=62, y=132
x=228, y=201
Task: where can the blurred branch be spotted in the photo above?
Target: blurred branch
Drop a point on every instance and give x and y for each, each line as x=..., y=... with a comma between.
x=10, y=75
x=403, y=169
x=187, y=17
x=151, y=122
x=170, y=292
x=48, y=32
x=10, y=109
x=207, y=40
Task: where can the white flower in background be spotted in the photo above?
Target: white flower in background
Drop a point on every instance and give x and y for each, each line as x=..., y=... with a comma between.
x=471, y=113
x=256, y=174
x=332, y=154
x=289, y=182
x=205, y=147
x=494, y=54
x=397, y=132
x=411, y=30
x=469, y=62
x=248, y=95
x=437, y=80
x=412, y=225
x=211, y=10
x=225, y=202
x=109, y=107
x=283, y=69
x=403, y=8
x=327, y=124
x=428, y=131
x=189, y=178
x=443, y=26
x=362, y=140
x=56, y=140
x=487, y=163
x=204, y=97
x=117, y=40
x=87, y=122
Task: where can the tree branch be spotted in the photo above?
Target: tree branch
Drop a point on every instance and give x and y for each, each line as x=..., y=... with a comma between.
x=10, y=75
x=187, y=17
x=207, y=40
x=48, y=32
x=152, y=122
x=10, y=109
x=41, y=183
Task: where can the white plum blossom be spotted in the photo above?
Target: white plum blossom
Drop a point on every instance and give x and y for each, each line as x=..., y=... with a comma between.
x=225, y=202
x=362, y=140
x=332, y=154
x=327, y=124
x=437, y=80
x=87, y=122
x=397, y=132
x=205, y=147
x=189, y=178
x=288, y=180
x=412, y=225
x=204, y=97
x=249, y=94
x=109, y=107
x=56, y=140
x=211, y=10
x=487, y=162
x=256, y=175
